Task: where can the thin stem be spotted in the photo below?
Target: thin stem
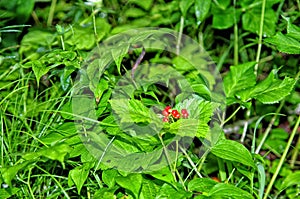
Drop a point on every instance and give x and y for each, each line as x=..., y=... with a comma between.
x=295, y=153
x=62, y=42
x=231, y=116
x=180, y=35
x=269, y=128
x=236, y=39
x=191, y=162
x=246, y=126
x=103, y=154
x=56, y=181
x=167, y=156
x=283, y=158
x=261, y=27
x=51, y=12
x=28, y=184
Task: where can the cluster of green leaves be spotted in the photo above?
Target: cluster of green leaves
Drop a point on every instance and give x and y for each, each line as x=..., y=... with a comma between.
x=76, y=123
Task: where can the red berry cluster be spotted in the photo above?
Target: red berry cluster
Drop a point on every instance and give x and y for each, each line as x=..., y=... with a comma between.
x=168, y=111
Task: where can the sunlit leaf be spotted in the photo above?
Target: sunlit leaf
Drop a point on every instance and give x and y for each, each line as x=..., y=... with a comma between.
x=233, y=151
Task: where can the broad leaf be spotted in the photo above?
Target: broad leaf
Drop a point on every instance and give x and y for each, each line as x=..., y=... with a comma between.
x=277, y=91
x=106, y=193
x=9, y=173
x=202, y=8
x=233, y=151
x=149, y=189
x=145, y=4
x=285, y=43
x=201, y=185
x=132, y=182
x=239, y=78
x=79, y=175
x=118, y=53
x=163, y=174
x=200, y=112
x=108, y=177
x=184, y=6
x=173, y=191
x=291, y=180
x=223, y=19
x=251, y=21
x=56, y=152
x=293, y=30
x=8, y=192
x=222, y=190
x=270, y=90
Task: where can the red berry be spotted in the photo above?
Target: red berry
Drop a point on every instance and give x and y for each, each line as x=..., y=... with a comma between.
x=175, y=114
x=165, y=113
x=168, y=108
x=165, y=119
x=183, y=111
x=185, y=115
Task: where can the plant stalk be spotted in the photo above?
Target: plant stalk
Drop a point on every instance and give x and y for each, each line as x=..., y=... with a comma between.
x=261, y=27
x=51, y=12
x=269, y=128
x=282, y=159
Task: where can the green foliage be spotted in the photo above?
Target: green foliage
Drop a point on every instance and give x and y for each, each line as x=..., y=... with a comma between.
x=288, y=43
x=240, y=86
x=81, y=108
x=233, y=151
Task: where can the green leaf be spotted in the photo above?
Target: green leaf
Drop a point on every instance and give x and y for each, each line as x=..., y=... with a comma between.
x=39, y=70
x=251, y=21
x=184, y=6
x=261, y=179
x=239, y=78
x=222, y=190
x=56, y=152
x=103, y=104
x=134, y=12
x=182, y=64
x=108, y=177
x=133, y=111
x=118, y=54
x=201, y=185
x=8, y=192
x=285, y=43
x=173, y=191
x=106, y=193
x=67, y=132
x=233, y=151
x=200, y=112
x=82, y=38
x=145, y=4
x=187, y=127
x=270, y=90
x=163, y=174
x=132, y=182
x=79, y=175
x=291, y=180
x=9, y=173
x=101, y=87
x=202, y=8
x=24, y=10
x=277, y=91
x=223, y=4
x=223, y=19
x=149, y=189
x=293, y=30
